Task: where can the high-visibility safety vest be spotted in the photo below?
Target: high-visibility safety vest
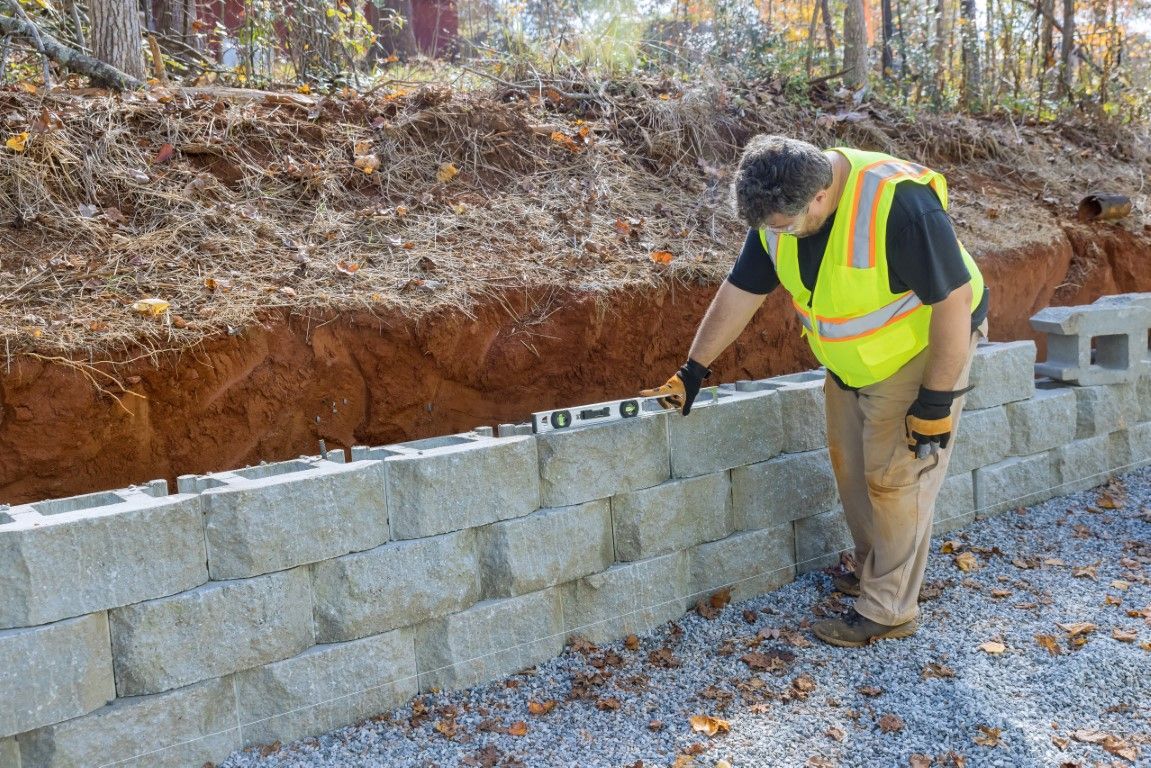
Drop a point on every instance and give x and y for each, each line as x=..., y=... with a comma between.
x=856, y=326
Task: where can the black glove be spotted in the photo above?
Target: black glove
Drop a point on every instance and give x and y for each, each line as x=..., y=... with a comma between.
x=681, y=389
x=928, y=421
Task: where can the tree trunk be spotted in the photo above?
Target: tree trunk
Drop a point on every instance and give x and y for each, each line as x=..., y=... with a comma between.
x=939, y=54
x=854, y=45
x=971, y=73
x=177, y=19
x=888, y=31
x=1047, y=45
x=829, y=33
x=116, y=35
x=1066, y=66
x=395, y=29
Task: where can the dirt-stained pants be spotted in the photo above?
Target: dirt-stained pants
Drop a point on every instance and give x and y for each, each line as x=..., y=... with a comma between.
x=888, y=495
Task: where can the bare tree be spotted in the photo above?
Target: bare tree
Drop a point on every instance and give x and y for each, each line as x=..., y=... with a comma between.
x=116, y=35
x=1066, y=65
x=176, y=19
x=970, y=37
x=854, y=45
x=888, y=30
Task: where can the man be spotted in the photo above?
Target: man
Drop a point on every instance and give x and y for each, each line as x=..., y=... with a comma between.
x=893, y=307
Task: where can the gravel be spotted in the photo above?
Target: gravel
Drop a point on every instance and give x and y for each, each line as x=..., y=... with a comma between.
x=941, y=698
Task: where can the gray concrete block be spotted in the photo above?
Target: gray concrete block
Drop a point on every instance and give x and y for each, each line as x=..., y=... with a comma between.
x=628, y=598
x=675, y=515
x=211, y=631
x=461, y=482
x=783, y=489
x=742, y=428
x=750, y=562
x=1143, y=396
x=278, y=516
x=9, y=753
x=801, y=401
x=54, y=672
x=396, y=585
x=1105, y=408
x=983, y=437
x=490, y=640
x=1101, y=343
x=1016, y=482
x=85, y=554
x=1129, y=449
x=190, y=726
x=1045, y=421
x=819, y=539
x=545, y=548
x=955, y=505
x=1083, y=464
x=596, y=462
x=326, y=687
x=1001, y=373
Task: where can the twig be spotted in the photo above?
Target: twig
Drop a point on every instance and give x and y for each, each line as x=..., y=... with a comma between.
x=89, y=371
x=526, y=89
x=35, y=39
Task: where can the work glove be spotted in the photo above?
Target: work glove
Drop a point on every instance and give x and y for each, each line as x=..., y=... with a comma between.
x=928, y=421
x=681, y=389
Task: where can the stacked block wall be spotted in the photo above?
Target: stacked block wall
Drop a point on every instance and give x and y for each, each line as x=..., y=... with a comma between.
x=284, y=600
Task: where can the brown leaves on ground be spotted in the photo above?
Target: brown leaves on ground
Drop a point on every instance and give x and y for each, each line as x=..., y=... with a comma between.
x=774, y=660
x=988, y=736
x=1110, y=742
x=709, y=725
x=539, y=708
x=890, y=723
x=709, y=608
x=663, y=658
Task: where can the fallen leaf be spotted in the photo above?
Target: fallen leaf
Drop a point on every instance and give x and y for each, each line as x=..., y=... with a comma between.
x=750, y=616
x=1001, y=593
x=870, y=690
x=16, y=143
x=1124, y=636
x=1089, y=736
x=949, y=546
x=518, y=728
x=1086, y=571
x=541, y=708
x=966, y=562
x=663, y=658
x=1107, y=501
x=938, y=670
x=662, y=257
x=920, y=761
x=367, y=163
x=819, y=761
x=608, y=704
x=836, y=733
x=347, y=267
x=655, y=725
x=165, y=153
x=709, y=725
x=988, y=736
x=1050, y=643
x=683, y=761
x=774, y=660
x=805, y=683
x=993, y=647
x=631, y=642
x=446, y=173
x=1060, y=741
x=447, y=728
x=150, y=307
x=1077, y=628
x=1121, y=585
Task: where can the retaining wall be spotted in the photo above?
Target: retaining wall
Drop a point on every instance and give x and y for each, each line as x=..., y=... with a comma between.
x=143, y=628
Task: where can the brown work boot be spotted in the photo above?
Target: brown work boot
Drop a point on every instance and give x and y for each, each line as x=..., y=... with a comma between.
x=847, y=583
x=856, y=631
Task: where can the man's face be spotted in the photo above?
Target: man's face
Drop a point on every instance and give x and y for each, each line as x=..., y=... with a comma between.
x=801, y=225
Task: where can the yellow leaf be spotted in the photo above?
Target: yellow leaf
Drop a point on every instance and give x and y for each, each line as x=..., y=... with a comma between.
x=446, y=173
x=518, y=728
x=347, y=267
x=1077, y=628
x=538, y=708
x=150, y=307
x=16, y=143
x=966, y=562
x=401, y=211
x=367, y=163
x=1050, y=643
x=662, y=257
x=949, y=546
x=303, y=88
x=26, y=87
x=993, y=647
x=362, y=148
x=989, y=737
x=709, y=725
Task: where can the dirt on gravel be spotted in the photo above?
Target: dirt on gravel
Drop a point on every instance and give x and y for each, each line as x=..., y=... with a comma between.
x=103, y=412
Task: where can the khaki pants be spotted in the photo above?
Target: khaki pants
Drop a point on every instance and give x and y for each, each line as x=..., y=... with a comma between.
x=888, y=495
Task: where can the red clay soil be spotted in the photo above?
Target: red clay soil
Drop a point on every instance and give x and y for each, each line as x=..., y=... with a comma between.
x=272, y=392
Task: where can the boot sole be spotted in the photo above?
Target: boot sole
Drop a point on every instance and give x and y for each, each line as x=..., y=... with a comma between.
x=895, y=633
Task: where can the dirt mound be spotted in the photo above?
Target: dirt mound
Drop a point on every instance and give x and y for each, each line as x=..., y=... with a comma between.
x=510, y=252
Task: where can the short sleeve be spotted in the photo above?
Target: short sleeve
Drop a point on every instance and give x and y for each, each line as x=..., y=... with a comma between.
x=753, y=271
x=923, y=252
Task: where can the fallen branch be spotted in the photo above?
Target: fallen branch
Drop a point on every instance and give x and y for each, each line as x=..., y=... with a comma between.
x=100, y=73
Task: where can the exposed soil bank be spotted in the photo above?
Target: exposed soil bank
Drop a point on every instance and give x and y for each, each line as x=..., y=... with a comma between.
x=273, y=391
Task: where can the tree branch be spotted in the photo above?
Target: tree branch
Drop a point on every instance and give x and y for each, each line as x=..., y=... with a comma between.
x=100, y=73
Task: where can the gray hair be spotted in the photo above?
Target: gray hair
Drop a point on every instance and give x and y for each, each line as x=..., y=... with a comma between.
x=777, y=176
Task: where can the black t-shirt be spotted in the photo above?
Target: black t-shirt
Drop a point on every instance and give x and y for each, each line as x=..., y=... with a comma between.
x=922, y=253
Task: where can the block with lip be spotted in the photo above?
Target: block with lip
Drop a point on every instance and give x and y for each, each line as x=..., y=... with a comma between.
x=955, y=505
x=750, y=562
x=489, y=640
x=1102, y=343
x=672, y=516
x=1045, y=421
x=545, y=548
x=445, y=484
x=54, y=672
x=211, y=631
x=596, y=462
x=83, y=554
x=397, y=585
x=1001, y=372
x=982, y=437
x=188, y=726
x=1105, y=408
x=326, y=686
x=819, y=539
x=804, y=419
x=277, y=516
x=1085, y=463
x=742, y=428
x=628, y=598
x=783, y=489
x=1129, y=449
x=1016, y=482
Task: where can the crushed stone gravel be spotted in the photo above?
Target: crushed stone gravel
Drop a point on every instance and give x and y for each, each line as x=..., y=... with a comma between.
x=1039, y=656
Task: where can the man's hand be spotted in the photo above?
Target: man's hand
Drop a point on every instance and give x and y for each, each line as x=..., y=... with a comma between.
x=928, y=422
x=681, y=389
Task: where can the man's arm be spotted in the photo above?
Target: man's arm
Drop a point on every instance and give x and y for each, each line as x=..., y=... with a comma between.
x=730, y=312
x=949, y=340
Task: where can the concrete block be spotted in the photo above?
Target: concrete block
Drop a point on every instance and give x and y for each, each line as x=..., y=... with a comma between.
x=1045, y=421
x=983, y=437
x=801, y=404
x=545, y=548
x=1101, y=343
x=446, y=484
x=1105, y=408
x=1002, y=373
x=628, y=598
x=84, y=554
x=1016, y=482
x=783, y=489
x=596, y=462
x=211, y=631
x=396, y=585
x=750, y=562
x=490, y=640
x=54, y=672
x=1083, y=464
x=955, y=505
x=742, y=428
x=325, y=687
x=1143, y=396
x=675, y=515
x=1130, y=449
x=819, y=539
x=9, y=753
x=277, y=516
x=190, y=726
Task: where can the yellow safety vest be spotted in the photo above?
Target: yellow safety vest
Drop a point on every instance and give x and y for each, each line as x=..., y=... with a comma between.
x=856, y=326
